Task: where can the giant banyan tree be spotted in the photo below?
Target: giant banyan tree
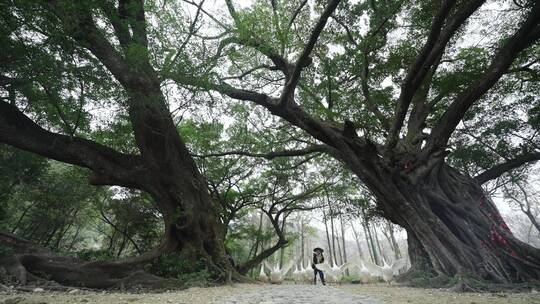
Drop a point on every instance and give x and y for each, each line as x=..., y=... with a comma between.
x=399, y=138
x=60, y=54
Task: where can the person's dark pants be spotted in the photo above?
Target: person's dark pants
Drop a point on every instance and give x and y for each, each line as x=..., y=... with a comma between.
x=321, y=275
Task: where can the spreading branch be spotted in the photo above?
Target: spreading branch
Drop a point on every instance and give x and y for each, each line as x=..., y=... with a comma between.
x=442, y=30
x=270, y=155
x=109, y=166
x=304, y=59
x=296, y=12
x=527, y=34
x=83, y=29
x=499, y=169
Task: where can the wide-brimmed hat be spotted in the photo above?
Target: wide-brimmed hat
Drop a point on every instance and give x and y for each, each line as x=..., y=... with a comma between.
x=318, y=249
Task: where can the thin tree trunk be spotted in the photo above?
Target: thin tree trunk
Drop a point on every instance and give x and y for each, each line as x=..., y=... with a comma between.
x=332, y=230
x=21, y=218
x=122, y=245
x=368, y=244
x=356, y=238
x=395, y=245
x=343, y=239
x=344, y=260
x=282, y=253
x=381, y=252
x=340, y=252
x=328, y=239
x=369, y=239
x=302, y=241
x=50, y=236
x=74, y=239
x=60, y=236
x=253, y=250
x=532, y=218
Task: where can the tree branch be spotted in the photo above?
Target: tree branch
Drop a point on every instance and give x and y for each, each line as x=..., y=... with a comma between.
x=435, y=45
x=109, y=166
x=256, y=260
x=506, y=166
x=136, y=17
x=270, y=155
x=371, y=104
x=120, y=27
x=81, y=26
x=527, y=34
x=296, y=12
x=304, y=59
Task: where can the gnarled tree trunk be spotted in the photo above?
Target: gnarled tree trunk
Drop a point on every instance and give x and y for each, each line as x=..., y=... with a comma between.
x=192, y=224
x=454, y=227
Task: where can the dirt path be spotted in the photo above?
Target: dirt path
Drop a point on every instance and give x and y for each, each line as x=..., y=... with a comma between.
x=275, y=294
x=297, y=294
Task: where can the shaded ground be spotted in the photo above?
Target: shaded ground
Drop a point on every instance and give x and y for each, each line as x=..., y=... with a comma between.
x=276, y=294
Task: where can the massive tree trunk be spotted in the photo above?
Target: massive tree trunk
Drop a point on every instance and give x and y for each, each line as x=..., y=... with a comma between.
x=192, y=224
x=453, y=226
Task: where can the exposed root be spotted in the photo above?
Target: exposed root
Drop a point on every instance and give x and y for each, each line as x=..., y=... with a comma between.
x=30, y=263
x=422, y=278
x=463, y=286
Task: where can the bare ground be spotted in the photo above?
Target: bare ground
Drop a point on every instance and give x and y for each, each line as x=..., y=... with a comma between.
x=399, y=295
x=247, y=293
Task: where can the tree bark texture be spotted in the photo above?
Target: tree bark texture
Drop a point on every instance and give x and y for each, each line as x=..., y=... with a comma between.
x=454, y=226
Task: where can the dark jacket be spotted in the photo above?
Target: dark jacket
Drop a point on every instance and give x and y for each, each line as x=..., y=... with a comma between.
x=315, y=260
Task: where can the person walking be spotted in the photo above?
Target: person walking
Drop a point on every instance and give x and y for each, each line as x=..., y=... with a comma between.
x=318, y=258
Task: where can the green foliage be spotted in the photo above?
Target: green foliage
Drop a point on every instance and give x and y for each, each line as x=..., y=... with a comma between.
x=131, y=222
x=180, y=266
x=423, y=276
x=41, y=211
x=95, y=255
x=16, y=168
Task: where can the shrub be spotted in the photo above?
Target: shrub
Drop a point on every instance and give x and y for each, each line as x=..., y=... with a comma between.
x=178, y=266
x=94, y=255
